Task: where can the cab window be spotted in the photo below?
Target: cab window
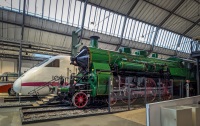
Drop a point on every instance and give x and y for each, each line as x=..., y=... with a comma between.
x=55, y=63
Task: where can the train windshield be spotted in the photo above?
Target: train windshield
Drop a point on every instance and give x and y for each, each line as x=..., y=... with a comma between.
x=39, y=64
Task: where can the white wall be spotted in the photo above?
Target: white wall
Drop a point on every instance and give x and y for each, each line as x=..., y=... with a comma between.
x=11, y=65
x=26, y=65
x=8, y=65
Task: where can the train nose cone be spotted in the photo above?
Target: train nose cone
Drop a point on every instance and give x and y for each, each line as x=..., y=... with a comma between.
x=17, y=85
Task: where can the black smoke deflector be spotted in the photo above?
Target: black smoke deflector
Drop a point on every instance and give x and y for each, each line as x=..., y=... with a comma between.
x=82, y=58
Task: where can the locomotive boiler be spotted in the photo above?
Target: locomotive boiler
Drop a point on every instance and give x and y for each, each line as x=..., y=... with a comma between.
x=97, y=66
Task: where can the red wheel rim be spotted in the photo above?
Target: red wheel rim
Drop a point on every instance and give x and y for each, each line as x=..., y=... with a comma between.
x=80, y=100
x=151, y=90
x=113, y=100
x=132, y=98
x=166, y=93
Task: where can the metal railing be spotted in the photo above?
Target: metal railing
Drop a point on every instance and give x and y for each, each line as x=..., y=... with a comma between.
x=35, y=91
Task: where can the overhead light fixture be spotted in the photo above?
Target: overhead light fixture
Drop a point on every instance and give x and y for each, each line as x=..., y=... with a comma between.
x=41, y=55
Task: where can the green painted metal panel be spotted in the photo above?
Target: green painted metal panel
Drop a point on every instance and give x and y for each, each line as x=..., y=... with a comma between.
x=154, y=55
x=181, y=72
x=97, y=55
x=103, y=81
x=131, y=66
x=174, y=59
x=141, y=53
x=64, y=89
x=101, y=66
x=158, y=68
x=93, y=83
x=74, y=43
x=125, y=50
x=94, y=41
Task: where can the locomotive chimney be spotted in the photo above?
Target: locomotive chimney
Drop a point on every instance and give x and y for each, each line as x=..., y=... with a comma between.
x=94, y=41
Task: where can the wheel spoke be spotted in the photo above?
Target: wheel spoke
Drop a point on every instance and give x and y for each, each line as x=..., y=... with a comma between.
x=151, y=95
x=80, y=99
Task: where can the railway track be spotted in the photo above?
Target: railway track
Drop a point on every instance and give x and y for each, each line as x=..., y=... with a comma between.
x=24, y=104
x=46, y=109
x=50, y=113
x=14, y=101
x=25, y=98
x=42, y=114
x=27, y=101
x=15, y=104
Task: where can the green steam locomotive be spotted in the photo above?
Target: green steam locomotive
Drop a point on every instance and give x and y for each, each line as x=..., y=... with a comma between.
x=97, y=66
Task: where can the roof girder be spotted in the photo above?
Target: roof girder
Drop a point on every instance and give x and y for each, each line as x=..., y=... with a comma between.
x=124, y=24
x=170, y=14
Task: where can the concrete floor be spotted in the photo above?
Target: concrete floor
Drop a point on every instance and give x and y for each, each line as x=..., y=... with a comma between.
x=4, y=95
x=103, y=120
x=11, y=117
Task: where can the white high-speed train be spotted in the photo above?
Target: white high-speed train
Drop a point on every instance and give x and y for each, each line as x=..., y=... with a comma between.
x=42, y=73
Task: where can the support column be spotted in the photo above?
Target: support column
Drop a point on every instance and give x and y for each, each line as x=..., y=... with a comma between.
x=22, y=38
x=187, y=88
x=145, y=92
x=129, y=94
x=172, y=88
x=160, y=89
x=83, y=20
x=109, y=94
x=198, y=78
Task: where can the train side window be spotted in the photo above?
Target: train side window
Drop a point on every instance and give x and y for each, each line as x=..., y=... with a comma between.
x=55, y=63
